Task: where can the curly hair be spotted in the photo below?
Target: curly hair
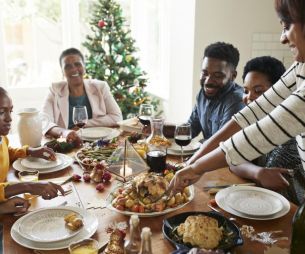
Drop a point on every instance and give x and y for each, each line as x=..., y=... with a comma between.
x=70, y=51
x=223, y=51
x=270, y=66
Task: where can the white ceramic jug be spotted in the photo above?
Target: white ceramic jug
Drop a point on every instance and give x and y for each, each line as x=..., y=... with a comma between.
x=30, y=126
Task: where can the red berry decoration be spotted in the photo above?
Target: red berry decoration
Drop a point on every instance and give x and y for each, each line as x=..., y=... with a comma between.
x=76, y=178
x=106, y=176
x=86, y=177
x=100, y=187
x=101, y=23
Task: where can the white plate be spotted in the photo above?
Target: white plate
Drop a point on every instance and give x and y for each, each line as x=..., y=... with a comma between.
x=90, y=222
x=222, y=201
x=254, y=203
x=67, y=161
x=174, y=149
x=47, y=225
x=96, y=132
x=192, y=147
x=114, y=133
x=38, y=163
x=153, y=214
x=131, y=125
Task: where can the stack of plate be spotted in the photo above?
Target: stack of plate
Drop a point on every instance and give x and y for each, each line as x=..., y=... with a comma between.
x=252, y=202
x=174, y=149
x=45, y=229
x=94, y=133
x=43, y=166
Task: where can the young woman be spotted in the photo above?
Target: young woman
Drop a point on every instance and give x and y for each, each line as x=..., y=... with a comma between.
x=9, y=154
x=271, y=120
x=270, y=171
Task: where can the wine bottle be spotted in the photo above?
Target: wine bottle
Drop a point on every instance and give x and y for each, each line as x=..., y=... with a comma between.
x=133, y=246
x=298, y=231
x=146, y=241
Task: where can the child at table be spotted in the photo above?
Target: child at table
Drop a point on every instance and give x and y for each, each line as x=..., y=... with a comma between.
x=8, y=155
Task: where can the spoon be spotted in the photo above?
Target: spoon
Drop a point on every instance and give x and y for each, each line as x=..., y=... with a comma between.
x=218, y=211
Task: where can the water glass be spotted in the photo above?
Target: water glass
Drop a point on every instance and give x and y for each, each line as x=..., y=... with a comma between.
x=86, y=246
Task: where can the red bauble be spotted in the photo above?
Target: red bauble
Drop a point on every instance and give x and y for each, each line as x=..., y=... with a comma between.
x=101, y=23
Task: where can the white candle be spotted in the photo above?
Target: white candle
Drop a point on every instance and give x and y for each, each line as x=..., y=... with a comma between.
x=128, y=171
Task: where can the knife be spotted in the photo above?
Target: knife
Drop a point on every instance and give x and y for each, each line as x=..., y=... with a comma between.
x=227, y=185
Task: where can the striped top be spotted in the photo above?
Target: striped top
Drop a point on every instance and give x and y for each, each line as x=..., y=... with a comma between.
x=273, y=119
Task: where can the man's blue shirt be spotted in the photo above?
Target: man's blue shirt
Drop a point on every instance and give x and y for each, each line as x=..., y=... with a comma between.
x=209, y=115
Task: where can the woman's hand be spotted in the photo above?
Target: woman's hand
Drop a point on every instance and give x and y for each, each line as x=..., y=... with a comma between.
x=42, y=152
x=46, y=190
x=272, y=178
x=73, y=138
x=182, y=179
x=14, y=205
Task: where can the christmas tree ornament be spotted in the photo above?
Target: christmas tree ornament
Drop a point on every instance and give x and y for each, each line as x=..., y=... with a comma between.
x=101, y=23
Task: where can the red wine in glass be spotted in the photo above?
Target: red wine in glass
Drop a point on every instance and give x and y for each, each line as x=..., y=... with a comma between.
x=156, y=160
x=183, y=140
x=145, y=120
x=80, y=117
x=80, y=124
x=183, y=136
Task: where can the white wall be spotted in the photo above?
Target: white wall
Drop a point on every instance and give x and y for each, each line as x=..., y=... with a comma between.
x=233, y=21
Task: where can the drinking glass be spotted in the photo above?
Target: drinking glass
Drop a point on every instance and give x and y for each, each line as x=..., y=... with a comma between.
x=80, y=117
x=146, y=111
x=183, y=136
x=85, y=246
x=28, y=176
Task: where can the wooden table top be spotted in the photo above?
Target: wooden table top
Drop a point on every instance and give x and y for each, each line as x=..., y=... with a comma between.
x=84, y=192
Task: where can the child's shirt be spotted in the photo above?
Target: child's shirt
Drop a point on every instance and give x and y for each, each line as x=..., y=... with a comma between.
x=7, y=156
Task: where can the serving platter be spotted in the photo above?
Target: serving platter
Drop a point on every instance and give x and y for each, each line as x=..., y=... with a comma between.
x=47, y=225
x=90, y=222
x=154, y=214
x=222, y=201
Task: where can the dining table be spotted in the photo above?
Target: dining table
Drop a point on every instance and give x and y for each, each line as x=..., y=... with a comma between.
x=84, y=194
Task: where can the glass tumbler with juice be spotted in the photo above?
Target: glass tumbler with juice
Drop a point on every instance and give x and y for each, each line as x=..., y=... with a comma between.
x=28, y=176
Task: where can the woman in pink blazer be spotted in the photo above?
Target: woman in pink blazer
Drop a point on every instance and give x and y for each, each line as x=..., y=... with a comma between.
x=75, y=91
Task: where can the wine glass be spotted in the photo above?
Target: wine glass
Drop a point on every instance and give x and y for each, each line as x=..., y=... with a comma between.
x=146, y=111
x=80, y=117
x=183, y=136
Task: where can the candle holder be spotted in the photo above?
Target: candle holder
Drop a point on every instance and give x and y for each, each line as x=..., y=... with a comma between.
x=125, y=162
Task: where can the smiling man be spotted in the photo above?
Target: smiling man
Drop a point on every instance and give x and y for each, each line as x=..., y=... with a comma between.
x=219, y=97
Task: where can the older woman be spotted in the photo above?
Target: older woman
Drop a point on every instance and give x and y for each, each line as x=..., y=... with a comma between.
x=272, y=119
x=75, y=91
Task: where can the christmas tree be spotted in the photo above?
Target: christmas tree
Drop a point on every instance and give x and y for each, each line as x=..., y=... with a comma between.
x=112, y=57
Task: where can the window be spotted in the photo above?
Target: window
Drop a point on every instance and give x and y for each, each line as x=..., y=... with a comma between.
x=34, y=32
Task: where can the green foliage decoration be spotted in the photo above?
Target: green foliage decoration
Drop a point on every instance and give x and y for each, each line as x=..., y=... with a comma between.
x=112, y=57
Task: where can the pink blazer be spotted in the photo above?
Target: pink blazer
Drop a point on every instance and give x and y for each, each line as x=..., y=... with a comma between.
x=105, y=110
